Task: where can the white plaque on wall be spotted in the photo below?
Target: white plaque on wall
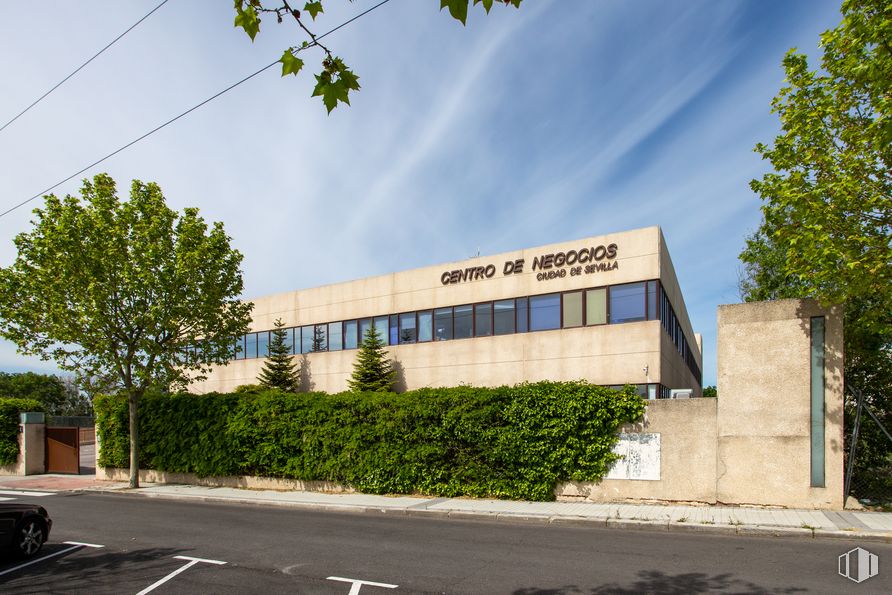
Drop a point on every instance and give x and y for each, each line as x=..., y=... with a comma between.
x=640, y=457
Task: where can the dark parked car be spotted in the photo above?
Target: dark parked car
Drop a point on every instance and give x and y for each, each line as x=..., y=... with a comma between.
x=23, y=528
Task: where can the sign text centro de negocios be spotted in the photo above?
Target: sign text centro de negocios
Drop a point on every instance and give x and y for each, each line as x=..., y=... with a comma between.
x=550, y=266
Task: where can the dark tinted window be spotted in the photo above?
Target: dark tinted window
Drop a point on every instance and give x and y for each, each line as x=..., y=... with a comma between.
x=408, y=332
x=306, y=339
x=503, y=317
x=351, y=334
x=381, y=328
x=263, y=344
x=627, y=303
x=394, y=329
x=545, y=312
x=483, y=320
x=251, y=345
x=335, y=336
x=289, y=340
x=651, y=300
x=462, y=322
x=320, y=338
x=442, y=324
x=522, y=307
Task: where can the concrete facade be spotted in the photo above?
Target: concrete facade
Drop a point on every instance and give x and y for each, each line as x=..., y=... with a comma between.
x=752, y=445
x=610, y=354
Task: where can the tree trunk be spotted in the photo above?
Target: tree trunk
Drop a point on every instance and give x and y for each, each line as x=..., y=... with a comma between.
x=134, y=441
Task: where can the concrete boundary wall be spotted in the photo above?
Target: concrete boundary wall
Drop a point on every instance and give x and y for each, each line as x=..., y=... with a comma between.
x=231, y=481
x=687, y=465
x=754, y=445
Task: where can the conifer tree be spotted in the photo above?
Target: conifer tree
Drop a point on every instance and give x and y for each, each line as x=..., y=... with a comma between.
x=319, y=343
x=372, y=372
x=279, y=371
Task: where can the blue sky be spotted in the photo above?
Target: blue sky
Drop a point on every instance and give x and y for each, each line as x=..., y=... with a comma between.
x=561, y=120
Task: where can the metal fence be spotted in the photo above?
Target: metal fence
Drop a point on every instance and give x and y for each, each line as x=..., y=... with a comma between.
x=869, y=448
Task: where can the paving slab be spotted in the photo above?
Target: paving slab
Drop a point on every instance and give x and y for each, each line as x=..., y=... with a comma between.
x=57, y=482
x=875, y=520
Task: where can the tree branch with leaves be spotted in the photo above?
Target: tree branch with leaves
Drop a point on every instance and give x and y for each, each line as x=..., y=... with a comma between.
x=335, y=80
x=828, y=202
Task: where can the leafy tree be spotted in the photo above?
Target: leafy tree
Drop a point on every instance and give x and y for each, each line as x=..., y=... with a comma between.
x=372, y=371
x=131, y=291
x=49, y=390
x=279, y=370
x=335, y=80
x=828, y=203
x=59, y=396
x=710, y=391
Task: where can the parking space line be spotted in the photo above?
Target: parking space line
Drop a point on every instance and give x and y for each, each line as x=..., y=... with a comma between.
x=74, y=546
x=357, y=584
x=25, y=493
x=192, y=562
x=83, y=544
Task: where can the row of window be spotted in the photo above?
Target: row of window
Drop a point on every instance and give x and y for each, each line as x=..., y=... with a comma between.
x=676, y=333
x=615, y=304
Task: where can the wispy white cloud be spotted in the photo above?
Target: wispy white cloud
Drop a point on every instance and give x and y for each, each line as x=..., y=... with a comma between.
x=559, y=120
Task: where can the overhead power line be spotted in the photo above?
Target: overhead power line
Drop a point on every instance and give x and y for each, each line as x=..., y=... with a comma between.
x=188, y=111
x=78, y=69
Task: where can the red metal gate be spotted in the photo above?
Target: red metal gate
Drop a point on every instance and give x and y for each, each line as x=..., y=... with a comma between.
x=62, y=450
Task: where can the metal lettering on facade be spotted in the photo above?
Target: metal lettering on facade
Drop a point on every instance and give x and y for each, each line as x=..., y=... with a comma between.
x=558, y=265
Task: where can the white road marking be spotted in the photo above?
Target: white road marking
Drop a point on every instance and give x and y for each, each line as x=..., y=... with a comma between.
x=25, y=493
x=357, y=584
x=192, y=562
x=5, y=499
x=83, y=544
x=75, y=546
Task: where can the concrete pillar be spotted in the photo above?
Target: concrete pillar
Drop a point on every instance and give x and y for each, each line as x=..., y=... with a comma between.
x=32, y=443
x=767, y=444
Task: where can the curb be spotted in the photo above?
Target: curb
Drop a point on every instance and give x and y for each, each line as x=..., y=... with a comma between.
x=637, y=524
x=709, y=528
x=874, y=536
x=774, y=531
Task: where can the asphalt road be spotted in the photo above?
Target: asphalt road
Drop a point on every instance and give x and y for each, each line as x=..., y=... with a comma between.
x=281, y=550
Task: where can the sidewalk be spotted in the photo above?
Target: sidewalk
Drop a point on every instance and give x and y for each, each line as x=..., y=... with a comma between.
x=854, y=525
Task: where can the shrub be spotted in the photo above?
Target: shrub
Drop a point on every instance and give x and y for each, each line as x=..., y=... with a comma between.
x=9, y=426
x=505, y=442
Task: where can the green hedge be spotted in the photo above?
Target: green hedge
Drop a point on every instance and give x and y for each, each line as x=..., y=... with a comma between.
x=506, y=442
x=9, y=426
